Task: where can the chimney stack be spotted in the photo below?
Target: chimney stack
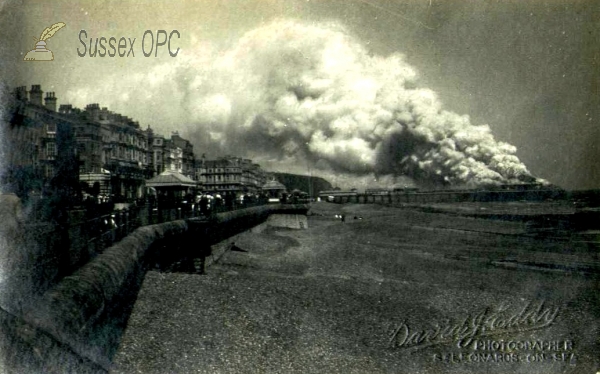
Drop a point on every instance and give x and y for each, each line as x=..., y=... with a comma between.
x=93, y=111
x=50, y=101
x=104, y=114
x=35, y=95
x=65, y=108
x=21, y=93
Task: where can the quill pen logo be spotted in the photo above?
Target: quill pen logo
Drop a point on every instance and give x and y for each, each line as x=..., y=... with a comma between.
x=40, y=53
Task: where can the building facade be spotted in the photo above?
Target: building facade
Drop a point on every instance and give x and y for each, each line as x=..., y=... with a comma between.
x=112, y=150
x=112, y=155
x=39, y=147
x=156, y=146
x=179, y=155
x=229, y=174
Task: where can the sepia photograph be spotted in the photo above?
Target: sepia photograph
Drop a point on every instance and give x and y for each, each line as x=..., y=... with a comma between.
x=300, y=186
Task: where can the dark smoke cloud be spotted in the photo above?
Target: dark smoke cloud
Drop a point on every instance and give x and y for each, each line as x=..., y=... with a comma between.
x=303, y=94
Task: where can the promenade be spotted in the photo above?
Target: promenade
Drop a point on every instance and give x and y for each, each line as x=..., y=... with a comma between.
x=387, y=291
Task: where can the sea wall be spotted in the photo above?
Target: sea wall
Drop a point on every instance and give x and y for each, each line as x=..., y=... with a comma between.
x=82, y=317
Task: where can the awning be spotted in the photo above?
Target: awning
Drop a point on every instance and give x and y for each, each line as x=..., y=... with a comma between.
x=93, y=177
x=171, y=179
x=273, y=185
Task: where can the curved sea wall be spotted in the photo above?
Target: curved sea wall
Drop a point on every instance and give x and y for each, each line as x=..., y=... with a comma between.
x=76, y=325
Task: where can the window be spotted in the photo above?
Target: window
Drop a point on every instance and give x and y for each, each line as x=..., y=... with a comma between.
x=49, y=171
x=51, y=149
x=51, y=127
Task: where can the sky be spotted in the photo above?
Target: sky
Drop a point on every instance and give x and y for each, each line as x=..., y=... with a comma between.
x=358, y=91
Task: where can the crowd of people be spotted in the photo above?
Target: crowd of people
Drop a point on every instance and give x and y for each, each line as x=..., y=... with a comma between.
x=189, y=204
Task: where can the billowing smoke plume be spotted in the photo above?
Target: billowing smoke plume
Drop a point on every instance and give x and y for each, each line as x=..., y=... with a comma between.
x=300, y=94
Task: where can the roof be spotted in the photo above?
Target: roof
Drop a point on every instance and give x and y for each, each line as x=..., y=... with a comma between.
x=273, y=185
x=171, y=179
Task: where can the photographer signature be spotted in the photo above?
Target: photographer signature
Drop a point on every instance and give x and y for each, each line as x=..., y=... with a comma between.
x=486, y=322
